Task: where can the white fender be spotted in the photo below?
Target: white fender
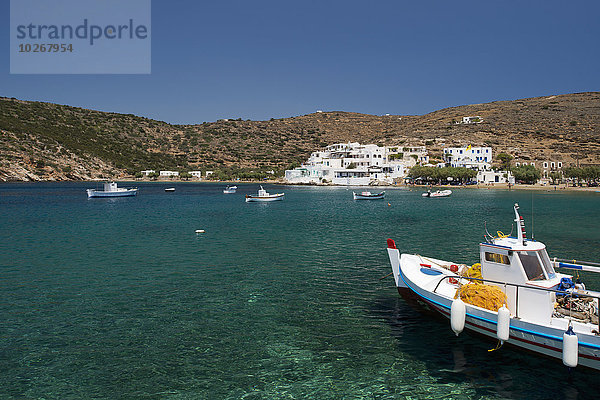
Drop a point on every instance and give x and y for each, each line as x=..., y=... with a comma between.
x=570, y=353
x=458, y=312
x=503, y=327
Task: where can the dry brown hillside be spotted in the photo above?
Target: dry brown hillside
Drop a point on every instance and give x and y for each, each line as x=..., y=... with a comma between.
x=49, y=141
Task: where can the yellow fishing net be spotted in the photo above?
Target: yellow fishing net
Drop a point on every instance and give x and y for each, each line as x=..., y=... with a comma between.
x=473, y=272
x=480, y=295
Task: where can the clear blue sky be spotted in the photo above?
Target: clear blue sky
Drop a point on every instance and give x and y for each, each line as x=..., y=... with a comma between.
x=262, y=59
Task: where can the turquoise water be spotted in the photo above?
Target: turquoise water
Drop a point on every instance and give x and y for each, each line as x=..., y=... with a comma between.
x=119, y=298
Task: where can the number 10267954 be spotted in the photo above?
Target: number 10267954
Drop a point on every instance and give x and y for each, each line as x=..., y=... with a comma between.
x=45, y=48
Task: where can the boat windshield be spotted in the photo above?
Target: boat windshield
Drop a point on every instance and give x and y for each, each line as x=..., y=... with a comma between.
x=536, y=265
x=547, y=264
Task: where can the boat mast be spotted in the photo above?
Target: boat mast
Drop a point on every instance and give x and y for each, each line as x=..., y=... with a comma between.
x=520, y=224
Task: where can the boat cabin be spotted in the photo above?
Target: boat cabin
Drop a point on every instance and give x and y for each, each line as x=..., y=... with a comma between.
x=520, y=267
x=110, y=187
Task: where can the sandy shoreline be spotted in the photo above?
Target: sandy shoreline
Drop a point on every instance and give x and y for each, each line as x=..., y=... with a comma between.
x=502, y=186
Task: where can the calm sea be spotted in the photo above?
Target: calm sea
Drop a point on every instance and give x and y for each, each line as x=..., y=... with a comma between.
x=121, y=299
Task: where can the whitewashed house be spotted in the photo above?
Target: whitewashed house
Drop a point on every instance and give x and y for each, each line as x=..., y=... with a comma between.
x=168, y=173
x=491, y=177
x=472, y=120
x=196, y=174
x=477, y=158
x=147, y=172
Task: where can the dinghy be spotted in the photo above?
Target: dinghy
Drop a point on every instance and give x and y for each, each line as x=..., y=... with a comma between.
x=437, y=193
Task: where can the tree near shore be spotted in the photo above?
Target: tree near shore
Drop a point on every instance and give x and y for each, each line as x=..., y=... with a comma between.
x=555, y=176
x=527, y=173
x=505, y=160
x=435, y=174
x=589, y=174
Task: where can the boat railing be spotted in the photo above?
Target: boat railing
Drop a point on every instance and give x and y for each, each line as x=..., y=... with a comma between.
x=573, y=264
x=518, y=286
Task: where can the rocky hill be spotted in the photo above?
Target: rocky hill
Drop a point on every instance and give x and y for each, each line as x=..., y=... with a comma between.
x=44, y=141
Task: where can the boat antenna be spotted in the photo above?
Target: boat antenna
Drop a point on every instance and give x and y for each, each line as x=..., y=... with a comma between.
x=487, y=233
x=521, y=236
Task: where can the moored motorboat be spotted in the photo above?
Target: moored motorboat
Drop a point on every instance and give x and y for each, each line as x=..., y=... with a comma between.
x=264, y=196
x=170, y=189
x=230, y=189
x=110, y=189
x=366, y=195
x=513, y=295
x=437, y=193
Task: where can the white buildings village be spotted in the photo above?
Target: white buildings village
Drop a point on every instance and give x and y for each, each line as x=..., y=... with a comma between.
x=356, y=164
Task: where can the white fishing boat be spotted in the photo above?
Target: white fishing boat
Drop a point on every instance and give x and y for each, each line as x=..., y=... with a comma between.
x=517, y=297
x=110, y=189
x=437, y=193
x=230, y=189
x=366, y=195
x=170, y=189
x=264, y=196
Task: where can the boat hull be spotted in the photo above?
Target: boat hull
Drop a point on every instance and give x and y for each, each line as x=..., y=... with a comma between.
x=541, y=339
x=121, y=193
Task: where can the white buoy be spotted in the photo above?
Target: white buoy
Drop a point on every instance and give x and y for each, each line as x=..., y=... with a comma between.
x=458, y=312
x=570, y=353
x=199, y=230
x=503, y=327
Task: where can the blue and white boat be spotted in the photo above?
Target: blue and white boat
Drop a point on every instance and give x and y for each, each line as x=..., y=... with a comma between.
x=110, y=189
x=521, y=300
x=264, y=196
x=230, y=189
x=366, y=195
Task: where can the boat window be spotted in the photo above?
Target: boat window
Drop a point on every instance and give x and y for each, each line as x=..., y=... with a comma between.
x=531, y=264
x=497, y=258
x=547, y=264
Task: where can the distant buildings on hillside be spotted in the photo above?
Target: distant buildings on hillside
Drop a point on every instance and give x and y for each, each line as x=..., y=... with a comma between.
x=471, y=120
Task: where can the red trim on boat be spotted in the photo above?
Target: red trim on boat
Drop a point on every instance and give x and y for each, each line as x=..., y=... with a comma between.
x=391, y=244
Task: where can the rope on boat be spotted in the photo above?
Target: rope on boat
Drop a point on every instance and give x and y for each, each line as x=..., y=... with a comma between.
x=498, y=345
x=383, y=277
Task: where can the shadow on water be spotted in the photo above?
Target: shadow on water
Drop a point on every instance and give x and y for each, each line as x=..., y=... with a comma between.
x=508, y=372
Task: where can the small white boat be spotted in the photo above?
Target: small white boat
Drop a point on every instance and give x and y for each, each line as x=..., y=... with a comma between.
x=513, y=295
x=437, y=193
x=263, y=195
x=368, y=195
x=170, y=189
x=110, y=189
x=230, y=189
